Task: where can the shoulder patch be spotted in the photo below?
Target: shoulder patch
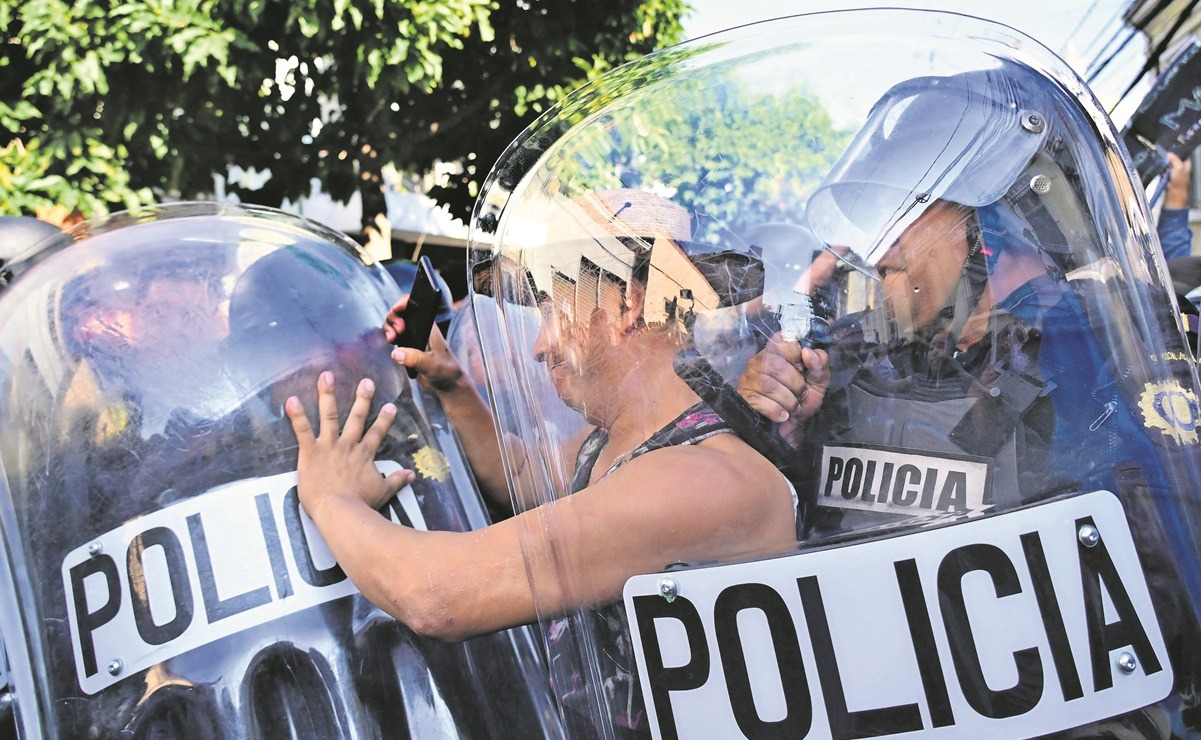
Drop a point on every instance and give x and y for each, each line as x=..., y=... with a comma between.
x=1172, y=409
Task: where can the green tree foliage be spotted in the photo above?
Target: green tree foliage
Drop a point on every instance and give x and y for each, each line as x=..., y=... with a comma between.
x=103, y=103
x=735, y=152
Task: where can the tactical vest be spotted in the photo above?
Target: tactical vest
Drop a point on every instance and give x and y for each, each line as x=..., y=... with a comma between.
x=887, y=449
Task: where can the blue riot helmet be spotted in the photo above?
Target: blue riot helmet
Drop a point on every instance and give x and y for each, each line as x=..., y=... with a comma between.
x=19, y=234
x=990, y=136
x=286, y=320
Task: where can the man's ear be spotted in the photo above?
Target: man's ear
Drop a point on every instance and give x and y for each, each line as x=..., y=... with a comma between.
x=632, y=306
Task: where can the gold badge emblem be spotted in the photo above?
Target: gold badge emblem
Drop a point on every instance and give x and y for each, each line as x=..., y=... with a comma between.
x=431, y=463
x=1172, y=409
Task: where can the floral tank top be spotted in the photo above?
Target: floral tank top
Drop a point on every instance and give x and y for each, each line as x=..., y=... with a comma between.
x=599, y=637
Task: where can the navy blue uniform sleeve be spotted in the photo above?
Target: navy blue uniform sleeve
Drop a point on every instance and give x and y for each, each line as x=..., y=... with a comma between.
x=1175, y=236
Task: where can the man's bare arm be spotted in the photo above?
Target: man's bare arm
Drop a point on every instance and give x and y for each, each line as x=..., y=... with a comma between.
x=711, y=501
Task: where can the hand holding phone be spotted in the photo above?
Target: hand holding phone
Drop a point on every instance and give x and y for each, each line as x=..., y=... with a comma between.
x=425, y=301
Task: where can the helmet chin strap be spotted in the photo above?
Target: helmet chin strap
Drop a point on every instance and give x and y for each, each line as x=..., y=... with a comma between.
x=972, y=280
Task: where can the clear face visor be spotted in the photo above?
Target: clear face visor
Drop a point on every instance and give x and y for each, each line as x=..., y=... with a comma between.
x=965, y=141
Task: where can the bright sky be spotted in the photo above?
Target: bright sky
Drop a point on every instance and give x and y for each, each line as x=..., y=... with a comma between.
x=1076, y=30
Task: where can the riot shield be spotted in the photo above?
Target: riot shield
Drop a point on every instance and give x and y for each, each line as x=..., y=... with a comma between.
x=162, y=580
x=915, y=243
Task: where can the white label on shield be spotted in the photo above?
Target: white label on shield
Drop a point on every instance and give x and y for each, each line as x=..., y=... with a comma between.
x=1010, y=625
x=199, y=570
x=900, y=482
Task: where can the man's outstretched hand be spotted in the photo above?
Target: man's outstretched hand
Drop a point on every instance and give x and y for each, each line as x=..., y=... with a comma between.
x=341, y=462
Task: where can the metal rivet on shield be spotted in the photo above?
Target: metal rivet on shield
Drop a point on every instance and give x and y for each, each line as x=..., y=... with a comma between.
x=1127, y=663
x=114, y=667
x=669, y=589
x=1088, y=535
x=95, y=549
x=1033, y=122
x=1040, y=184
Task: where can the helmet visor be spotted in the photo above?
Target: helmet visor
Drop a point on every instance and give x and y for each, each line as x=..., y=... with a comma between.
x=964, y=140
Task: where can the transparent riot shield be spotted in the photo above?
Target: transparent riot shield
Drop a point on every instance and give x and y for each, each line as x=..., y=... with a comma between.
x=164, y=581
x=7, y=719
x=895, y=264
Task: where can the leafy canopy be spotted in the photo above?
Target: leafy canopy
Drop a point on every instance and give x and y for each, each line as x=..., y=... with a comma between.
x=106, y=104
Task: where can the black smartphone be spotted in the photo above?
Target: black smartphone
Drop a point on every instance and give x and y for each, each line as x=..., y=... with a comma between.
x=425, y=300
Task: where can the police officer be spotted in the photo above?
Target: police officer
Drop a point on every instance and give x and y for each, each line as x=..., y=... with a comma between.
x=985, y=352
x=987, y=377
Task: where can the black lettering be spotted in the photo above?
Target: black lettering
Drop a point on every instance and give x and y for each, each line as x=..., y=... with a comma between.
x=1048, y=608
x=139, y=589
x=921, y=632
x=798, y=716
x=885, y=482
x=86, y=621
x=869, y=477
x=851, y=478
x=928, y=488
x=1096, y=566
x=1025, y=694
x=954, y=492
x=215, y=607
x=663, y=680
x=901, y=492
x=312, y=575
x=845, y=724
x=275, y=550
x=835, y=472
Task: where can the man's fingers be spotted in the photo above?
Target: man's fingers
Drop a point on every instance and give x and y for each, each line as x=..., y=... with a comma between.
x=359, y=410
x=300, y=421
x=416, y=359
x=379, y=428
x=785, y=380
x=394, y=322
x=817, y=364
x=767, y=407
x=763, y=388
x=786, y=374
x=398, y=480
x=787, y=394
x=789, y=350
x=327, y=407
x=437, y=341
x=763, y=393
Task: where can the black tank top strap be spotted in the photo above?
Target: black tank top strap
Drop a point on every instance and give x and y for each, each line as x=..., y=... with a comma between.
x=695, y=424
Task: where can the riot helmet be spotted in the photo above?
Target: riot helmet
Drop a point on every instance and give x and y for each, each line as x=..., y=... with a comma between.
x=19, y=234
x=983, y=137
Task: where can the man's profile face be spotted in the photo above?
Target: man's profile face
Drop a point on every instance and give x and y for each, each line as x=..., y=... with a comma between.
x=556, y=346
x=921, y=270
x=583, y=354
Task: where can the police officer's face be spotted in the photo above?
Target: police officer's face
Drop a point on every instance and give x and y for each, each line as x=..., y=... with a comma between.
x=921, y=270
